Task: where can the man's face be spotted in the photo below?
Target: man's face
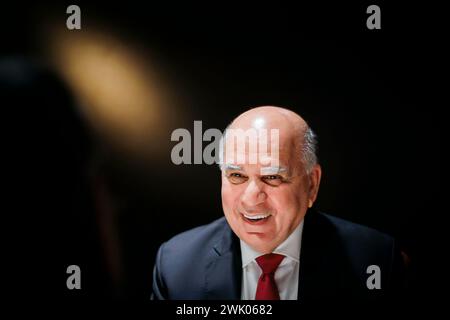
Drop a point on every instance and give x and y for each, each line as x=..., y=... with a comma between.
x=262, y=203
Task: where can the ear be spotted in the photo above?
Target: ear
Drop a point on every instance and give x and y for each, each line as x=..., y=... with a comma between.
x=314, y=183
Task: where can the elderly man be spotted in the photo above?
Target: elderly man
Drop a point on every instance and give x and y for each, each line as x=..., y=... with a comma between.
x=272, y=244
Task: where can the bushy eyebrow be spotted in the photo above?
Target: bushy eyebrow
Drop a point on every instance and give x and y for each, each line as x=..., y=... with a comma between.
x=272, y=170
x=231, y=167
x=263, y=170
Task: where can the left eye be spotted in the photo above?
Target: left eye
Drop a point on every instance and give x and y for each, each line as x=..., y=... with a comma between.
x=273, y=180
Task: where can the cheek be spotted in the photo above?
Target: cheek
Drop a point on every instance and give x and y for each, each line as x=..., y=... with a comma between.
x=281, y=199
x=229, y=196
x=287, y=203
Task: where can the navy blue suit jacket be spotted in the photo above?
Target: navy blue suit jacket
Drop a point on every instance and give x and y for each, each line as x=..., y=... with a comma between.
x=205, y=262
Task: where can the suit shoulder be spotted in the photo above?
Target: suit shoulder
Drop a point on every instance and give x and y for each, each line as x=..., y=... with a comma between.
x=359, y=233
x=181, y=261
x=197, y=237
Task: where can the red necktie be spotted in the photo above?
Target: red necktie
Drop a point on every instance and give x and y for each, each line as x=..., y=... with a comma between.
x=267, y=288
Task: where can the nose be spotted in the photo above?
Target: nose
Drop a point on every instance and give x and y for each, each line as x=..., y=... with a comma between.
x=253, y=195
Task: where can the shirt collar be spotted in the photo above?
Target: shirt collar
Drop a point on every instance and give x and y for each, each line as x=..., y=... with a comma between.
x=289, y=247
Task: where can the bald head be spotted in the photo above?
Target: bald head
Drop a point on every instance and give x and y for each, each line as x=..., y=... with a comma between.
x=294, y=132
x=270, y=117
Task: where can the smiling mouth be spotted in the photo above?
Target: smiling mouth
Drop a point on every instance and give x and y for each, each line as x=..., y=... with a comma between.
x=255, y=218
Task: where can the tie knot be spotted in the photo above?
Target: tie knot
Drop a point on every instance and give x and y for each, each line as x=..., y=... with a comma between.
x=269, y=262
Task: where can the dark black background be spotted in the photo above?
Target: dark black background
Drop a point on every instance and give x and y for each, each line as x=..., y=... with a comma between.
x=368, y=94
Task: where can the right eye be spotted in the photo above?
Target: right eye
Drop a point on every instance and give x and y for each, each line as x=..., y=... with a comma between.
x=236, y=178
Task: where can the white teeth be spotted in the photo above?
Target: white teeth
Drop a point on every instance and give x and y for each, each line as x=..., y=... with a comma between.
x=261, y=216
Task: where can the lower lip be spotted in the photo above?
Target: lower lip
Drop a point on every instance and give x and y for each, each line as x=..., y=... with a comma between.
x=256, y=222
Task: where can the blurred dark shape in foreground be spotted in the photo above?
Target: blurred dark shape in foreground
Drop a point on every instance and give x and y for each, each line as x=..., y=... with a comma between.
x=52, y=193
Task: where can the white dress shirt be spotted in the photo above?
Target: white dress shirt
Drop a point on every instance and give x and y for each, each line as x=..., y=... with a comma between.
x=287, y=273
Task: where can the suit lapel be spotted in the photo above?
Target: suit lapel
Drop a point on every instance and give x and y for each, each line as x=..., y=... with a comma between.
x=223, y=272
x=320, y=259
x=308, y=256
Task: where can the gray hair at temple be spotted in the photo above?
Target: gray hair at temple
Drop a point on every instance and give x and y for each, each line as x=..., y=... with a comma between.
x=309, y=149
